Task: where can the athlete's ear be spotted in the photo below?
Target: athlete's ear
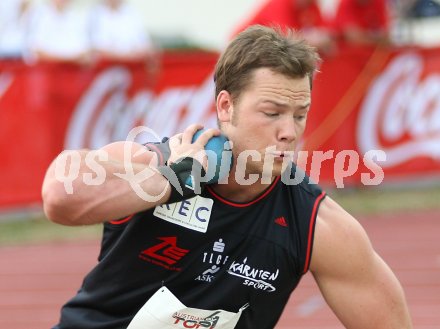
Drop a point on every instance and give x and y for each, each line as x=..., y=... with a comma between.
x=225, y=106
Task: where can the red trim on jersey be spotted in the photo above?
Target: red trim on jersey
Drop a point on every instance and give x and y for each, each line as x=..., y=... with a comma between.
x=158, y=151
x=242, y=205
x=312, y=225
x=121, y=221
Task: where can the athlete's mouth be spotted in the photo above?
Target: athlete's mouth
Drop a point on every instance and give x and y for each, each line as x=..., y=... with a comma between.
x=279, y=154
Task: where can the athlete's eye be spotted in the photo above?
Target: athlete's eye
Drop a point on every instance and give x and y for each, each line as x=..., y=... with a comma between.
x=301, y=117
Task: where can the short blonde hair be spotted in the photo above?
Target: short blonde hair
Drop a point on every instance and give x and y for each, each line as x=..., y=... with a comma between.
x=283, y=51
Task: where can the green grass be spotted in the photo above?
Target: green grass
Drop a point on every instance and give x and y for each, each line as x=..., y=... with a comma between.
x=374, y=201
x=36, y=228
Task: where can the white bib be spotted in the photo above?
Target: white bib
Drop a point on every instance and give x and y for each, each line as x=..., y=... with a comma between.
x=164, y=311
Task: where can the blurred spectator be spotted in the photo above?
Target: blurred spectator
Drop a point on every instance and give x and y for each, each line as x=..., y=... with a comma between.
x=118, y=32
x=14, y=18
x=362, y=22
x=303, y=15
x=60, y=33
x=424, y=8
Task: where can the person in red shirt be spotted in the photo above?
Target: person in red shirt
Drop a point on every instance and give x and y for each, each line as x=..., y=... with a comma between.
x=362, y=22
x=302, y=15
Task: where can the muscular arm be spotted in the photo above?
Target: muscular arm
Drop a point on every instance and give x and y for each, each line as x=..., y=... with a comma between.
x=97, y=193
x=359, y=287
x=93, y=187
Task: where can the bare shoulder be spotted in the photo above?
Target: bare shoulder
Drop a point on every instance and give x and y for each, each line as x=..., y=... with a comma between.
x=339, y=237
x=356, y=283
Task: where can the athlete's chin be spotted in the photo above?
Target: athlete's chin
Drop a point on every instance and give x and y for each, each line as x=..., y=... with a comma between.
x=276, y=170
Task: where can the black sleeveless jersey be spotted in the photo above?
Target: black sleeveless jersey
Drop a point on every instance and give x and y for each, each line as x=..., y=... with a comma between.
x=253, y=252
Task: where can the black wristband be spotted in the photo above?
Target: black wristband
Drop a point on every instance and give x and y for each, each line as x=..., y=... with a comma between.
x=184, y=176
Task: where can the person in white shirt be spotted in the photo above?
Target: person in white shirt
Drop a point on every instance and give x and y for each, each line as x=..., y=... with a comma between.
x=118, y=32
x=60, y=33
x=14, y=19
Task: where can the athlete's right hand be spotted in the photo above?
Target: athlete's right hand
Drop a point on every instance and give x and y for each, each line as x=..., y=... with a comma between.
x=181, y=145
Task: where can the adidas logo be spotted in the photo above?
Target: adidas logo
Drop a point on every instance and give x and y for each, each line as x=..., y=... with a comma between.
x=281, y=221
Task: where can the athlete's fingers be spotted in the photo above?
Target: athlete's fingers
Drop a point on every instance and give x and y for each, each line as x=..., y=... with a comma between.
x=189, y=132
x=175, y=140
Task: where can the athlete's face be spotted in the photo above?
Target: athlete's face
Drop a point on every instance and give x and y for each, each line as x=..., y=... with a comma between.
x=268, y=118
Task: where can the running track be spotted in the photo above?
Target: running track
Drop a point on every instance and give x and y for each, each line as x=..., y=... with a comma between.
x=35, y=280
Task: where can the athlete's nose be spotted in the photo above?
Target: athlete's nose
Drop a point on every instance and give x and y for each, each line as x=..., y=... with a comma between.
x=287, y=130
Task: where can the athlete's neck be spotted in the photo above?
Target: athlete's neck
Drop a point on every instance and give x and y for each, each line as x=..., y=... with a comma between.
x=240, y=193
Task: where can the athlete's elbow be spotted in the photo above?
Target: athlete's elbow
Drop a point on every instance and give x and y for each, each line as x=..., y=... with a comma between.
x=60, y=189
x=58, y=204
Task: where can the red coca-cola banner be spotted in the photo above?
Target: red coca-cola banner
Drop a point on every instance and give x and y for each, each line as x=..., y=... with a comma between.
x=375, y=116
x=48, y=107
x=385, y=106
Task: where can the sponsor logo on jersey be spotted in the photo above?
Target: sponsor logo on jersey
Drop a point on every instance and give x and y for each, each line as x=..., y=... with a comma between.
x=185, y=320
x=215, y=258
x=281, y=221
x=193, y=213
x=165, y=253
x=254, y=277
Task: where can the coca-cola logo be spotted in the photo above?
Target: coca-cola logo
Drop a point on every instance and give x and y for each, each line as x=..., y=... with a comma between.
x=401, y=112
x=106, y=112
